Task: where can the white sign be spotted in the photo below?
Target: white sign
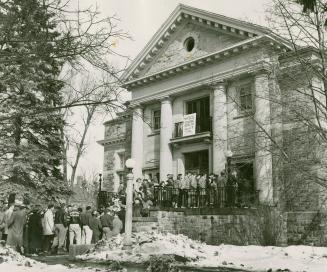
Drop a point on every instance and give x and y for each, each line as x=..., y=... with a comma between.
x=189, y=124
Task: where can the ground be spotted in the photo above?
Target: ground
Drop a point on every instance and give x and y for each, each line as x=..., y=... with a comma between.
x=186, y=251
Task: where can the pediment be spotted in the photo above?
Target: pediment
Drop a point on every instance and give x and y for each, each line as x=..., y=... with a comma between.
x=178, y=49
x=211, y=33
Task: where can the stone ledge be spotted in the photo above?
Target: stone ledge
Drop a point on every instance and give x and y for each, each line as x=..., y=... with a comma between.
x=207, y=211
x=145, y=219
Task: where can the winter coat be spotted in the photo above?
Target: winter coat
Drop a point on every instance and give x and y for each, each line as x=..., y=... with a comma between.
x=48, y=223
x=117, y=225
x=7, y=217
x=16, y=225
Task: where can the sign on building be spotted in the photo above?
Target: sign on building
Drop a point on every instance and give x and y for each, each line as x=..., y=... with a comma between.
x=189, y=124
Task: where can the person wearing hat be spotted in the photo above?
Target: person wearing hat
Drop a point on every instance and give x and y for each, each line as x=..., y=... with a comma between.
x=16, y=225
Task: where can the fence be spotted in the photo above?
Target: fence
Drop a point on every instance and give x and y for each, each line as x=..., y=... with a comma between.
x=104, y=199
x=227, y=196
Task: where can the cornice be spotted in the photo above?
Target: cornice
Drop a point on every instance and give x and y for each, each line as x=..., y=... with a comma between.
x=112, y=141
x=184, y=13
x=209, y=81
x=207, y=59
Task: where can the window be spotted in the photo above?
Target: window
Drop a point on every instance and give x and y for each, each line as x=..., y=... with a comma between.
x=156, y=119
x=245, y=97
x=189, y=44
x=202, y=109
x=121, y=157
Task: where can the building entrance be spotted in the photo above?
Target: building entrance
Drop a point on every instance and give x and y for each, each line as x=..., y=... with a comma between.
x=197, y=162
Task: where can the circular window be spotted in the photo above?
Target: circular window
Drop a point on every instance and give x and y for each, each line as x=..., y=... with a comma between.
x=189, y=44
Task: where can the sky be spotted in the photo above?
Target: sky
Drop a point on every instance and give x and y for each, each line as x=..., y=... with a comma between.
x=141, y=19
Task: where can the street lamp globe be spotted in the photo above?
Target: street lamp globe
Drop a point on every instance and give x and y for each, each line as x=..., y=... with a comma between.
x=130, y=163
x=229, y=153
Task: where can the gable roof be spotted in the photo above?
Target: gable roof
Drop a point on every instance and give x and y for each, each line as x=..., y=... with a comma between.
x=216, y=21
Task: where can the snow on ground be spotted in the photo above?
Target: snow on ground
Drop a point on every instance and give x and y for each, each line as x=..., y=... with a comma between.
x=11, y=261
x=254, y=258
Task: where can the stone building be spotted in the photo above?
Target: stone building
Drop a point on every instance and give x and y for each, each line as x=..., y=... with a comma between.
x=117, y=144
x=205, y=93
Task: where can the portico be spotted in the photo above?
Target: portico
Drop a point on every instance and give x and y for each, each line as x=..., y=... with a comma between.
x=211, y=99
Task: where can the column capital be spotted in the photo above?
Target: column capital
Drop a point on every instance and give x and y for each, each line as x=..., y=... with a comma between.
x=165, y=100
x=135, y=106
x=219, y=85
x=263, y=71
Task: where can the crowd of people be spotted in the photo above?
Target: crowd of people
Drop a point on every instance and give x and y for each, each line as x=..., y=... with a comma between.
x=193, y=190
x=34, y=230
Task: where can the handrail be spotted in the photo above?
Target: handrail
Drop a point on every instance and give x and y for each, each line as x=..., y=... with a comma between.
x=219, y=197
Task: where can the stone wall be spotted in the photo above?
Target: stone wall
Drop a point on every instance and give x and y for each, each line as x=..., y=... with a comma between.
x=230, y=226
x=309, y=228
x=239, y=226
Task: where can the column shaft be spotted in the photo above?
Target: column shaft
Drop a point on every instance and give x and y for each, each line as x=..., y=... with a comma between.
x=166, y=125
x=137, y=141
x=219, y=129
x=263, y=155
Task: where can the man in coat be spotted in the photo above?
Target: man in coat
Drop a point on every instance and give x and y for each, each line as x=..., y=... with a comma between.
x=86, y=217
x=60, y=229
x=16, y=225
x=48, y=228
x=117, y=225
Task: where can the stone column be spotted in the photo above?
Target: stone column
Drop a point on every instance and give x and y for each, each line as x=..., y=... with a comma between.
x=219, y=128
x=137, y=141
x=263, y=155
x=166, y=130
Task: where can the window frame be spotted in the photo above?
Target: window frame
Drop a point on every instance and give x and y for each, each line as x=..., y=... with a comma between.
x=154, y=128
x=248, y=97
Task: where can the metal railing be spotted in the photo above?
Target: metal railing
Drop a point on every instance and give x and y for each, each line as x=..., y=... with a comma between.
x=178, y=128
x=104, y=199
x=227, y=196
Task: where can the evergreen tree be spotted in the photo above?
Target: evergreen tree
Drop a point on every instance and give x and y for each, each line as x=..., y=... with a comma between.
x=30, y=135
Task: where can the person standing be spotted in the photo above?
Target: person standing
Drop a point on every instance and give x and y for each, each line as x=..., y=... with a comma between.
x=74, y=227
x=194, y=190
x=106, y=222
x=6, y=218
x=96, y=227
x=34, y=231
x=117, y=225
x=85, y=223
x=48, y=228
x=2, y=220
x=16, y=225
x=60, y=230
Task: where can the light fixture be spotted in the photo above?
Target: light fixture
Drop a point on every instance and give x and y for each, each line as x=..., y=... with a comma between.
x=130, y=163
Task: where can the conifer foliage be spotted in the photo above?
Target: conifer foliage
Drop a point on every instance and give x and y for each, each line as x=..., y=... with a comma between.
x=30, y=132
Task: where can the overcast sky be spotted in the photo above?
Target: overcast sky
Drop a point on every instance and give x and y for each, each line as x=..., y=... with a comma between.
x=141, y=19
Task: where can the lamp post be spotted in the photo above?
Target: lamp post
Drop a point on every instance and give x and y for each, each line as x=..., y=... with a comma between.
x=129, y=203
x=100, y=182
